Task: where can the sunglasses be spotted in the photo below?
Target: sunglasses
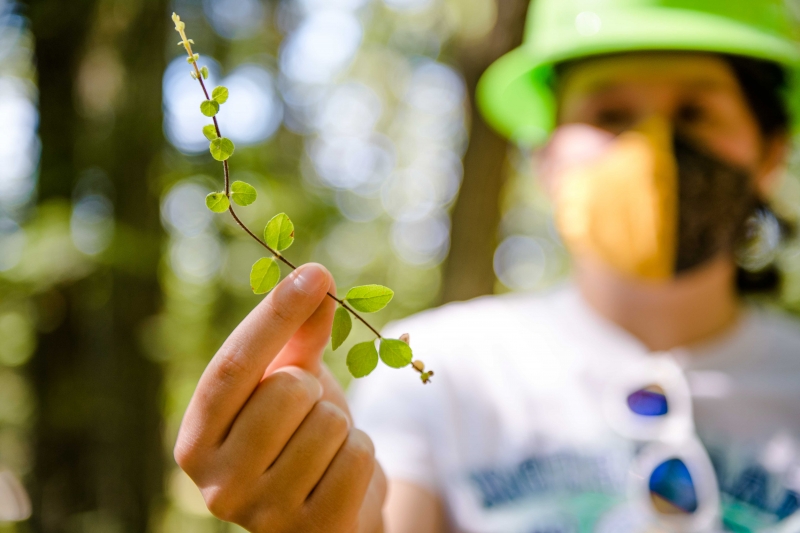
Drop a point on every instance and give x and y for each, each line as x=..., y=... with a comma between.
x=671, y=479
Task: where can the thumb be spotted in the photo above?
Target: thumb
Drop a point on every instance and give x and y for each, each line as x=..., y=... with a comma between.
x=306, y=346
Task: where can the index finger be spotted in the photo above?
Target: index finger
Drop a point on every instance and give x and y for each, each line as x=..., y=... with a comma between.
x=237, y=368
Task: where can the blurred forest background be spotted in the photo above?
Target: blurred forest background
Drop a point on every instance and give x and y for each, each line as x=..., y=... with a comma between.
x=355, y=117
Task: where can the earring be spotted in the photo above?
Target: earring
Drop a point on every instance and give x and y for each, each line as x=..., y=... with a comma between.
x=762, y=238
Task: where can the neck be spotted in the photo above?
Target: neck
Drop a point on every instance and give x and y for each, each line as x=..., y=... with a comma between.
x=693, y=307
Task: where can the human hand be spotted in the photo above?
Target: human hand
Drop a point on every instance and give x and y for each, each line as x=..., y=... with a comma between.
x=268, y=437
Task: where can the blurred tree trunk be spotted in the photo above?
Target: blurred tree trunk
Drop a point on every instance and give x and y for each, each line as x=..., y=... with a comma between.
x=468, y=271
x=98, y=451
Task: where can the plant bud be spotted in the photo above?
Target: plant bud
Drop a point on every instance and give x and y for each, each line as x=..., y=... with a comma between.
x=406, y=338
x=419, y=366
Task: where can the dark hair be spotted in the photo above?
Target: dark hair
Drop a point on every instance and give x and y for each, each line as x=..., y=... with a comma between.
x=763, y=84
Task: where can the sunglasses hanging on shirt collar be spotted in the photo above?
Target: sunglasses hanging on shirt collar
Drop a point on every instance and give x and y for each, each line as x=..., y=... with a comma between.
x=671, y=479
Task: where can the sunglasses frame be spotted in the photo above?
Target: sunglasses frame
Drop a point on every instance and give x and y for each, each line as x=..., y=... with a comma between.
x=692, y=453
x=668, y=436
x=676, y=425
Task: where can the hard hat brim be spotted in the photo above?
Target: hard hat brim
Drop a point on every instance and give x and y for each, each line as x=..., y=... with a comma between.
x=515, y=95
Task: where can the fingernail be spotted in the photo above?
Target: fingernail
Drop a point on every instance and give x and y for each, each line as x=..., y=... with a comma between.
x=309, y=278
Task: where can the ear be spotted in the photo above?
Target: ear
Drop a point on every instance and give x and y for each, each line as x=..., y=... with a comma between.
x=773, y=161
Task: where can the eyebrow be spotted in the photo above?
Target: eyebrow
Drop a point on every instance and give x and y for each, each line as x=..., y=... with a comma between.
x=709, y=84
x=703, y=84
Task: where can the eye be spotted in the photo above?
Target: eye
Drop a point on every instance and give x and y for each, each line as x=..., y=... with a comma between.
x=690, y=114
x=614, y=119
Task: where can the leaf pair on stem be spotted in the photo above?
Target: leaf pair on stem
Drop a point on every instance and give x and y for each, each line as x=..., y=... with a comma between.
x=278, y=235
x=242, y=193
x=363, y=357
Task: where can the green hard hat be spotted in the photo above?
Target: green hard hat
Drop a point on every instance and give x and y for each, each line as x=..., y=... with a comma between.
x=515, y=92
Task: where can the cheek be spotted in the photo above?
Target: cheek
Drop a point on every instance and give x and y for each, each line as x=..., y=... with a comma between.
x=570, y=145
x=742, y=147
x=736, y=137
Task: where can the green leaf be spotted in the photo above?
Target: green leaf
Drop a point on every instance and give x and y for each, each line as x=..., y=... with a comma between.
x=342, y=324
x=210, y=132
x=194, y=75
x=209, y=107
x=369, y=298
x=264, y=275
x=221, y=148
x=279, y=233
x=395, y=353
x=243, y=193
x=220, y=94
x=217, y=202
x=204, y=72
x=193, y=58
x=362, y=359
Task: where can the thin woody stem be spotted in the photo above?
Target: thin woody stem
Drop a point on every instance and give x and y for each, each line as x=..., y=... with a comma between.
x=216, y=127
x=279, y=256
x=226, y=171
x=241, y=224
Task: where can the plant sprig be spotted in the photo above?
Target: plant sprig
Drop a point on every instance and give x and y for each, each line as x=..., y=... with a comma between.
x=279, y=235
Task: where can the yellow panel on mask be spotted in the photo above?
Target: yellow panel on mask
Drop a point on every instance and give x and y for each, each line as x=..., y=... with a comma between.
x=623, y=206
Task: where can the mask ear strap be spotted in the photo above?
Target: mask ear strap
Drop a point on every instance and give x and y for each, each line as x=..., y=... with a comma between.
x=756, y=255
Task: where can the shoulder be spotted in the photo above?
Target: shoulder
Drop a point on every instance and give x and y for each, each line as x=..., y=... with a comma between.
x=472, y=326
x=778, y=322
x=779, y=332
x=766, y=345
x=464, y=343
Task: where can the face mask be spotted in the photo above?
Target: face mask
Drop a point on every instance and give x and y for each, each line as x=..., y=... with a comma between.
x=715, y=200
x=652, y=207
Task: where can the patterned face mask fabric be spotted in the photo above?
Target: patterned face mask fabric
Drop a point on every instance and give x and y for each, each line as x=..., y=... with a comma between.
x=653, y=205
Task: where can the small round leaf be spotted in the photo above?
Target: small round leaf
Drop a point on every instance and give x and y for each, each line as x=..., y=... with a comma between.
x=209, y=107
x=395, y=353
x=279, y=233
x=220, y=94
x=362, y=359
x=217, y=202
x=342, y=324
x=264, y=275
x=369, y=298
x=210, y=132
x=221, y=148
x=243, y=193
x=204, y=72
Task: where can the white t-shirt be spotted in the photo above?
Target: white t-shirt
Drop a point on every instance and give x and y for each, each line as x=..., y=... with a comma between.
x=513, y=434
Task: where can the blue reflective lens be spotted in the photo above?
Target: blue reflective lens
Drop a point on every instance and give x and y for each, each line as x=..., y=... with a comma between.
x=672, y=489
x=649, y=401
